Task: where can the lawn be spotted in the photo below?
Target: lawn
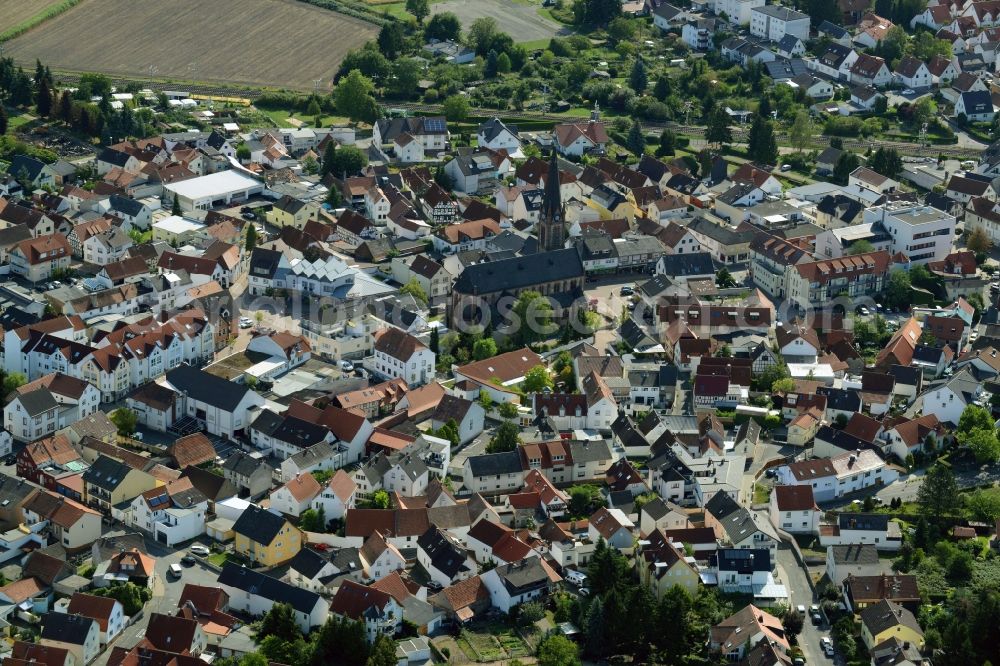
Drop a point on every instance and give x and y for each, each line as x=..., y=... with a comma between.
x=219, y=559
x=761, y=493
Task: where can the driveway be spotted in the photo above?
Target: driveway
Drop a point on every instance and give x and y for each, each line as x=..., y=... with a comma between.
x=800, y=594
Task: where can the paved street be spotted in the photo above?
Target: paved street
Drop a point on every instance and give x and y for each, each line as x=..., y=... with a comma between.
x=166, y=591
x=794, y=578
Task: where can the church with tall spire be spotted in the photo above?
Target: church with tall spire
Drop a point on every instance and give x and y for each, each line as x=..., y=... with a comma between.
x=551, y=218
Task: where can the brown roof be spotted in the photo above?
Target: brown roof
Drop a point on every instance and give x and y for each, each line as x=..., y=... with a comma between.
x=353, y=599
x=794, y=498
x=342, y=485
x=847, y=267
x=55, y=449
x=505, y=367
x=900, y=347
x=44, y=248
x=46, y=568
x=567, y=133
x=169, y=632
x=303, y=487
x=41, y=654
x=204, y=597
x=96, y=608
x=57, y=383
x=397, y=344
x=140, y=563
x=394, y=586
x=863, y=427
x=194, y=449
x=875, y=588
x=472, y=230
x=462, y=594
x=914, y=431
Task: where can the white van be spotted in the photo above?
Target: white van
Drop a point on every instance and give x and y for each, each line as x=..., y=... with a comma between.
x=578, y=578
x=176, y=571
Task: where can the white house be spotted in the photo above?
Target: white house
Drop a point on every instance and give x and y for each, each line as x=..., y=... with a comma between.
x=254, y=593
x=518, y=582
x=496, y=135
x=170, y=514
x=469, y=415
x=773, y=22
x=444, y=557
x=976, y=106
x=399, y=354
x=337, y=496
x=738, y=11
x=841, y=475
x=107, y=612
x=221, y=407
x=47, y=404
x=947, y=401
x=80, y=635
x=913, y=73
x=793, y=509
x=862, y=528
x=296, y=496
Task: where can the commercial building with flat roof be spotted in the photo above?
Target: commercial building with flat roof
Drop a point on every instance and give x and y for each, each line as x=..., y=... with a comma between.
x=216, y=189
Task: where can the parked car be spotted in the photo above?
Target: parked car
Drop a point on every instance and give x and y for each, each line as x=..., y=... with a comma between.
x=176, y=571
x=189, y=560
x=201, y=550
x=347, y=366
x=817, y=619
x=245, y=322
x=786, y=167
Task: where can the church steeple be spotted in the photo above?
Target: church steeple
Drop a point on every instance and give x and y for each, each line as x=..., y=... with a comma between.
x=551, y=229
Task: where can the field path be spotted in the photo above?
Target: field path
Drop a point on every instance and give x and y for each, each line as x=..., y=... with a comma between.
x=520, y=21
x=276, y=43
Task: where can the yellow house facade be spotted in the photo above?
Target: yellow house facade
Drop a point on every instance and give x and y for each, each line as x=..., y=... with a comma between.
x=662, y=566
x=265, y=538
x=887, y=619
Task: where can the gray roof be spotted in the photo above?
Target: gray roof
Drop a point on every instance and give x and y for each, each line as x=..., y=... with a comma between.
x=741, y=560
x=66, y=628
x=445, y=555
x=717, y=232
x=106, y=473
x=206, y=387
x=782, y=13
x=679, y=265
x=865, y=553
x=493, y=127
x=863, y=521
x=259, y=525
x=519, y=272
x=522, y=576
x=126, y=205
x=14, y=490
x=589, y=451
x=267, y=587
x=38, y=401
x=508, y=462
x=885, y=615
x=308, y=562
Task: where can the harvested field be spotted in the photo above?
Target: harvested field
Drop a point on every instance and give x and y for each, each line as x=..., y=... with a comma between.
x=520, y=21
x=14, y=12
x=276, y=43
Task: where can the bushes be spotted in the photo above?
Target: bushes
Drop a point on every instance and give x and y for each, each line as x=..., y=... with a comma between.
x=837, y=126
